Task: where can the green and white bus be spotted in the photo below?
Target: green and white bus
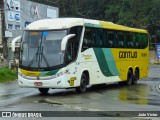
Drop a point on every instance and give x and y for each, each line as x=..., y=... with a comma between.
x=77, y=52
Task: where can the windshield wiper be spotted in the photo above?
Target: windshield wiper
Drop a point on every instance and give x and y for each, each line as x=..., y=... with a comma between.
x=35, y=56
x=38, y=56
x=41, y=54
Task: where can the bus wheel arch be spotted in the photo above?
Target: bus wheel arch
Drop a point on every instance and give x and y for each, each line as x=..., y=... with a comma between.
x=83, y=82
x=136, y=76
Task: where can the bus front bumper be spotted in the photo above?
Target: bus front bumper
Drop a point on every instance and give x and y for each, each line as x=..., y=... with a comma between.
x=59, y=82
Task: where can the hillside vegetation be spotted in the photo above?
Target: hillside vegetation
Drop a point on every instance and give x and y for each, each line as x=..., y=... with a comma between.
x=137, y=13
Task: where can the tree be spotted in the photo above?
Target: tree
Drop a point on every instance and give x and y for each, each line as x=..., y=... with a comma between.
x=133, y=13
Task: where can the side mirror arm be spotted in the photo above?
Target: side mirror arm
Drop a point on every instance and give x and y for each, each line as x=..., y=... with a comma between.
x=65, y=40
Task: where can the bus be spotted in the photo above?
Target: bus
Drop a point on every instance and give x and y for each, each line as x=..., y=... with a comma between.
x=77, y=53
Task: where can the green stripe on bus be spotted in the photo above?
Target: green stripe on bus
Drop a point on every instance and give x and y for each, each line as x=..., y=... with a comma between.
x=102, y=62
x=53, y=72
x=110, y=61
x=93, y=25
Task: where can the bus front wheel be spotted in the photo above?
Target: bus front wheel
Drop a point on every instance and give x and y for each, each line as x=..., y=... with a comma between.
x=43, y=90
x=83, y=85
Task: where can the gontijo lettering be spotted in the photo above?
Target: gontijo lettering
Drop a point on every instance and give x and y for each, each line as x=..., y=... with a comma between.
x=127, y=54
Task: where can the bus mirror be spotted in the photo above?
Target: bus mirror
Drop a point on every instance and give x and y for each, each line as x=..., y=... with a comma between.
x=65, y=40
x=14, y=42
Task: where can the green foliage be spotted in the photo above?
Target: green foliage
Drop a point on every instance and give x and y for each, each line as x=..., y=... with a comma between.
x=7, y=75
x=133, y=13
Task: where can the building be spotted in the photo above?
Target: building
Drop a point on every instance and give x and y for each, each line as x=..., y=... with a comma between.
x=17, y=15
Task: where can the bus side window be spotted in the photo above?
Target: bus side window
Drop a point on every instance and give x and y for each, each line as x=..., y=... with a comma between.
x=105, y=38
x=115, y=39
x=120, y=37
x=87, y=40
x=139, y=39
x=135, y=39
x=73, y=44
x=129, y=40
x=110, y=38
x=98, y=39
x=144, y=40
x=69, y=51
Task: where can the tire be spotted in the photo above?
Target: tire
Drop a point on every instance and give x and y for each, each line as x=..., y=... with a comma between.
x=135, y=78
x=43, y=90
x=129, y=78
x=83, y=85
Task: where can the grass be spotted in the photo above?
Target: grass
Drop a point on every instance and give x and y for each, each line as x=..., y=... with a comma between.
x=7, y=75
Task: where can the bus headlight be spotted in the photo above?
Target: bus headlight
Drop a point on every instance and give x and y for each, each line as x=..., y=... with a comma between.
x=60, y=74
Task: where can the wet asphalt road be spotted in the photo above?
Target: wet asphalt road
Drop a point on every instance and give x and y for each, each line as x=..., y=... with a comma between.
x=142, y=97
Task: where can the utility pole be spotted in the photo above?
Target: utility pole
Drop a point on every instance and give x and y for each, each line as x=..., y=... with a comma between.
x=4, y=39
x=0, y=26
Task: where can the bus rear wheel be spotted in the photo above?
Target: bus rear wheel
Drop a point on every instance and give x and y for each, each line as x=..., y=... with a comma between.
x=83, y=85
x=43, y=90
x=129, y=78
x=136, y=77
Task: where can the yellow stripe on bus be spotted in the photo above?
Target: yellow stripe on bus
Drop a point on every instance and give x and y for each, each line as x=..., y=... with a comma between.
x=29, y=73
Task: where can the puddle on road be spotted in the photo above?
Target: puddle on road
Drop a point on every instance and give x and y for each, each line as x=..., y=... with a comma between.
x=152, y=79
x=147, y=93
x=136, y=95
x=8, y=96
x=5, y=96
x=141, y=94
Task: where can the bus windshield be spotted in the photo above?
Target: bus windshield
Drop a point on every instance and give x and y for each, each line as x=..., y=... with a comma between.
x=41, y=49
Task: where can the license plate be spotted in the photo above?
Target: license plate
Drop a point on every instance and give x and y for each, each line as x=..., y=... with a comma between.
x=38, y=83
